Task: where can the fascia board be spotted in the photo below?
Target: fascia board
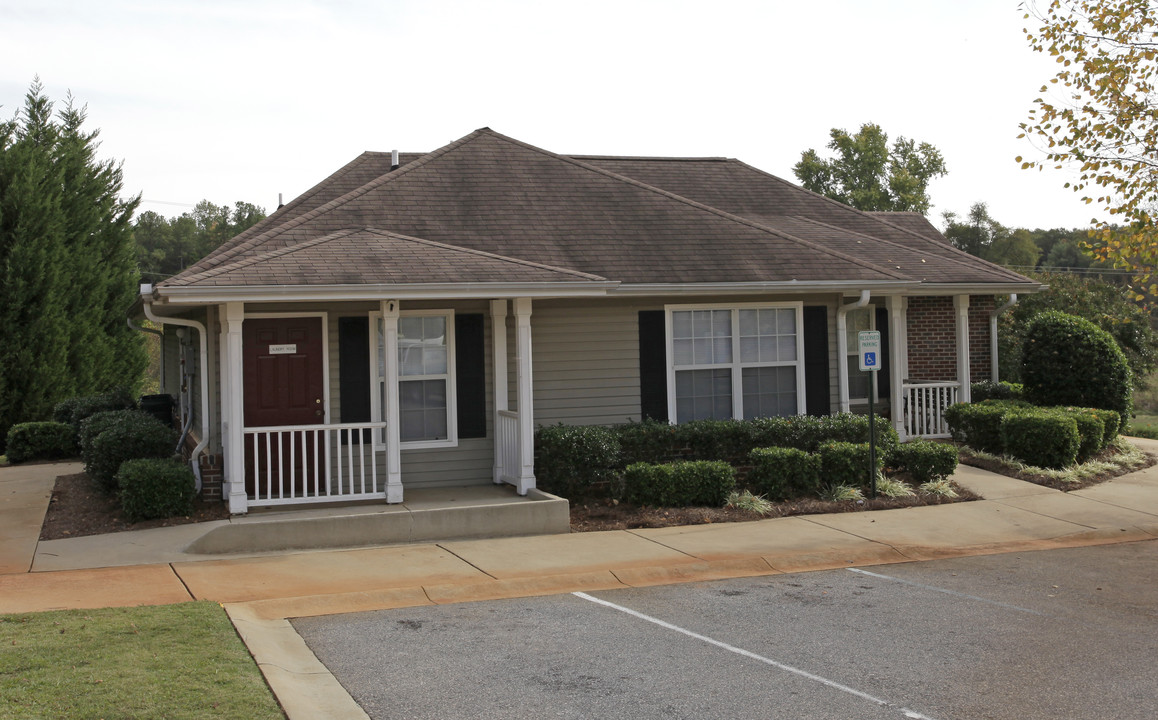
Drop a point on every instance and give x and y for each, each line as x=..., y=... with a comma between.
x=449, y=291
x=978, y=288
x=789, y=287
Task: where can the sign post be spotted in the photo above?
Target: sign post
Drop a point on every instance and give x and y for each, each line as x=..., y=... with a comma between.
x=869, y=349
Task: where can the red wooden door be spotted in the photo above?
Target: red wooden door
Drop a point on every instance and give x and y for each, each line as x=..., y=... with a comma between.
x=283, y=376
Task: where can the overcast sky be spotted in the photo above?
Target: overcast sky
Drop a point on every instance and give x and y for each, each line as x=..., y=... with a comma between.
x=242, y=100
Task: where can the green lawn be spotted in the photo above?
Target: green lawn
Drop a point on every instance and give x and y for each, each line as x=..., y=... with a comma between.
x=172, y=661
x=1144, y=425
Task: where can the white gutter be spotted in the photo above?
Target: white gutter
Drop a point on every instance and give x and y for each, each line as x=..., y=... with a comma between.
x=198, y=294
x=842, y=345
x=993, y=334
x=147, y=306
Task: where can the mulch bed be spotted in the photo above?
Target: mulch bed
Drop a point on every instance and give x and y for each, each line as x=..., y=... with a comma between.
x=79, y=507
x=1001, y=468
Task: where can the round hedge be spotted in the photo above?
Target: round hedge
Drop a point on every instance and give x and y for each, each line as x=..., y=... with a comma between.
x=1067, y=360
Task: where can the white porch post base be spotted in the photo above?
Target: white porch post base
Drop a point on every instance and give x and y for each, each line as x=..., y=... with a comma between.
x=233, y=407
x=898, y=345
x=500, y=388
x=961, y=304
x=526, y=471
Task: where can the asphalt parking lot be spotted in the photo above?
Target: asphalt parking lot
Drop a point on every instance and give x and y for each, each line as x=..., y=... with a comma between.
x=1050, y=634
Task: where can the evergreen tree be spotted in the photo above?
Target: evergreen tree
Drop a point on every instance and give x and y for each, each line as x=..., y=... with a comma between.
x=67, y=269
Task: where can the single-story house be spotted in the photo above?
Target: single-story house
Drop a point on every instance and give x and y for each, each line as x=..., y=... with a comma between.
x=410, y=320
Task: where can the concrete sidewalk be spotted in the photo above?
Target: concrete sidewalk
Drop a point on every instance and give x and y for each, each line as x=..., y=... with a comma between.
x=260, y=592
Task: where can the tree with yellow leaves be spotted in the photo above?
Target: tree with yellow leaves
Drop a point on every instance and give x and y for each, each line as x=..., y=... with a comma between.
x=1098, y=115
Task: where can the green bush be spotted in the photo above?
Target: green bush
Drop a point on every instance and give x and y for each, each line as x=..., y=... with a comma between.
x=1044, y=439
x=40, y=441
x=680, y=484
x=96, y=424
x=650, y=441
x=1070, y=361
x=1111, y=422
x=724, y=440
x=130, y=436
x=1091, y=431
x=155, y=488
x=846, y=463
x=803, y=432
x=978, y=425
x=576, y=461
x=74, y=410
x=989, y=390
x=785, y=472
x=925, y=461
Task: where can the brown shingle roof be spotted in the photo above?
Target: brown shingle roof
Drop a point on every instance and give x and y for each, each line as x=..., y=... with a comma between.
x=713, y=221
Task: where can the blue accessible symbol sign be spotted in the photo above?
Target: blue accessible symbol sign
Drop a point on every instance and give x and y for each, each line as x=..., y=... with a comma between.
x=869, y=349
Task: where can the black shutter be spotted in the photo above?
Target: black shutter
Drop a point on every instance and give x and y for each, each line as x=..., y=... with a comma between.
x=883, y=380
x=354, y=370
x=470, y=376
x=817, y=398
x=652, y=365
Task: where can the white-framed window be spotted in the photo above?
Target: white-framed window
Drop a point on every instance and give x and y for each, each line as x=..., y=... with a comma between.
x=858, y=382
x=426, y=398
x=735, y=361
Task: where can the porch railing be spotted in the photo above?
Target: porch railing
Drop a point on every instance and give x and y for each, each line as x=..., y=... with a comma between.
x=314, y=463
x=925, y=405
x=508, y=446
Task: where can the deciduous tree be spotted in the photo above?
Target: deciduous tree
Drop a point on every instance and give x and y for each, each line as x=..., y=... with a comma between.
x=1098, y=117
x=869, y=175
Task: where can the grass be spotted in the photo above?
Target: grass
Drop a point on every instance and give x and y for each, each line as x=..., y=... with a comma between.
x=171, y=661
x=1144, y=425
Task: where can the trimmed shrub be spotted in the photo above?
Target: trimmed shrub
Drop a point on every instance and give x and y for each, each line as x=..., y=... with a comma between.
x=74, y=410
x=647, y=441
x=40, y=441
x=925, y=461
x=1067, y=360
x=785, y=472
x=679, y=484
x=803, y=432
x=989, y=390
x=724, y=440
x=130, y=436
x=576, y=461
x=94, y=425
x=1044, y=439
x=1111, y=422
x=978, y=425
x=155, y=488
x=846, y=463
x=1091, y=431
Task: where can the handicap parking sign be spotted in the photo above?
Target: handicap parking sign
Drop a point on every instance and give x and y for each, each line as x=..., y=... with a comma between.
x=869, y=348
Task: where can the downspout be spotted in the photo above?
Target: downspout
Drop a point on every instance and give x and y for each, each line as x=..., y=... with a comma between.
x=147, y=306
x=842, y=345
x=993, y=334
x=158, y=333
x=186, y=389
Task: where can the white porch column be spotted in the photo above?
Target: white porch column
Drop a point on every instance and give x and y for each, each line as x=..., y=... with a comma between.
x=525, y=391
x=233, y=405
x=898, y=361
x=961, y=304
x=499, y=368
x=390, y=413
x=842, y=346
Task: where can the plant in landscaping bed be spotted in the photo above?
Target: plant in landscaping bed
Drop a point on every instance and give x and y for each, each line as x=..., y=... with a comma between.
x=95, y=424
x=74, y=410
x=835, y=492
x=783, y=472
x=40, y=441
x=942, y=487
x=925, y=461
x=747, y=501
x=155, y=488
x=989, y=390
x=647, y=441
x=979, y=424
x=1067, y=360
x=723, y=440
x=130, y=437
x=890, y=487
x=846, y=463
x=1124, y=458
x=1091, y=431
x=577, y=461
x=1045, y=439
x=681, y=484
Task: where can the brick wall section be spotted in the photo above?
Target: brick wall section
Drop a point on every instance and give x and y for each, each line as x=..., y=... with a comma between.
x=980, y=365
x=932, y=328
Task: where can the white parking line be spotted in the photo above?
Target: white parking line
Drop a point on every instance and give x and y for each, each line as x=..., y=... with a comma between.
x=748, y=654
x=947, y=592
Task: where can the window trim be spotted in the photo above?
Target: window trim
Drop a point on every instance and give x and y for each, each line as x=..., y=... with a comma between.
x=736, y=365
x=450, y=377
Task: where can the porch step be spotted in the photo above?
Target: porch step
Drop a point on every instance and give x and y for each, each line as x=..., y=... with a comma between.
x=425, y=516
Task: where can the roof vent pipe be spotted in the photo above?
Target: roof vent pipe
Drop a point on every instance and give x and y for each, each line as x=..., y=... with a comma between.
x=393, y=159
x=280, y=204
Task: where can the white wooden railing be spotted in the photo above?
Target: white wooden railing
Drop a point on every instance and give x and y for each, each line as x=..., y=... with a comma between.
x=314, y=463
x=508, y=461
x=925, y=405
